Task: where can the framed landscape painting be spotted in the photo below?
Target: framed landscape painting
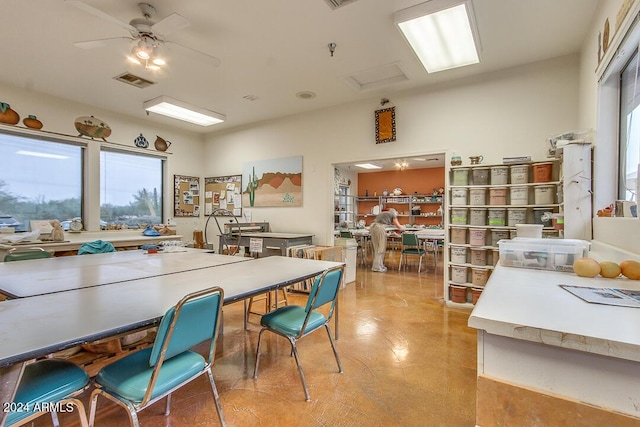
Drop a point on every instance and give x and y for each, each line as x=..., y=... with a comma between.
x=272, y=182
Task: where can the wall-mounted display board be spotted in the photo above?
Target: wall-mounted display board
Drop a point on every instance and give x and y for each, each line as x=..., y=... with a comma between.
x=223, y=195
x=186, y=195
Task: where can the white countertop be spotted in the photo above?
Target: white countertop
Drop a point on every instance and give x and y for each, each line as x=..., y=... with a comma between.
x=74, y=240
x=529, y=305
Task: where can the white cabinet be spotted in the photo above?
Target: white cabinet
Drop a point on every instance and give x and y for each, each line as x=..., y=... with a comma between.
x=576, y=198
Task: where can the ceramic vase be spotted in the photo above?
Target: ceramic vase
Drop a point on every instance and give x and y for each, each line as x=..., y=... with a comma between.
x=7, y=115
x=161, y=144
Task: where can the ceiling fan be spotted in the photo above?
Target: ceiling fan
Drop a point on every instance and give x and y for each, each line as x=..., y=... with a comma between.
x=146, y=35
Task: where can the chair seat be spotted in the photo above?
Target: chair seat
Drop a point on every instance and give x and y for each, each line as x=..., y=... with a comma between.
x=49, y=380
x=412, y=251
x=288, y=320
x=129, y=377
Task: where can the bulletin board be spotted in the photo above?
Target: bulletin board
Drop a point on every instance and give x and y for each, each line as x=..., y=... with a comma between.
x=186, y=196
x=223, y=193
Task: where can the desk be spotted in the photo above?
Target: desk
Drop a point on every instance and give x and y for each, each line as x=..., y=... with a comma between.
x=545, y=353
x=40, y=325
x=274, y=241
x=43, y=276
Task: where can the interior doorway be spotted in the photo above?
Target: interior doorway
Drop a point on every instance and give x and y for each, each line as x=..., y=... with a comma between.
x=413, y=185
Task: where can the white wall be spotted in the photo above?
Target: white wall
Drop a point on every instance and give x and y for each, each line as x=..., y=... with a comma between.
x=506, y=113
x=617, y=232
x=58, y=115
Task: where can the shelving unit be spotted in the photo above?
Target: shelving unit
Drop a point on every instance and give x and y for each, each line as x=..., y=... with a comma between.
x=417, y=208
x=486, y=203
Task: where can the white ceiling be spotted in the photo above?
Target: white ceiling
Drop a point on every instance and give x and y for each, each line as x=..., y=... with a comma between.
x=268, y=49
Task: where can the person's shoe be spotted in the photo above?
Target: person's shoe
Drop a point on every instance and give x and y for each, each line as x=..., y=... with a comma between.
x=379, y=270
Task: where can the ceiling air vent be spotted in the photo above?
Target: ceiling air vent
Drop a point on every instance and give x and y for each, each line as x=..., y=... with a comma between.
x=133, y=80
x=334, y=4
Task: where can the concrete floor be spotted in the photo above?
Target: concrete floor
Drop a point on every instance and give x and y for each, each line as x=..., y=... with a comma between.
x=407, y=359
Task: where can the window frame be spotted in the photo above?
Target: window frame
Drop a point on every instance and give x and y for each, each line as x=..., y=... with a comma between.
x=90, y=168
x=606, y=185
x=138, y=152
x=48, y=137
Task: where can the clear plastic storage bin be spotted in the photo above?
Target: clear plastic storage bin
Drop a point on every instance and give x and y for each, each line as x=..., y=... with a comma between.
x=542, y=254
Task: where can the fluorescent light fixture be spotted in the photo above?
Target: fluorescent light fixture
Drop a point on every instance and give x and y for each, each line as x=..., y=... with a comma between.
x=182, y=111
x=442, y=33
x=368, y=166
x=37, y=154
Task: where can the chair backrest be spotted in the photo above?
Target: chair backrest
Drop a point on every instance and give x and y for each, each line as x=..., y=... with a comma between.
x=21, y=254
x=324, y=290
x=96, y=247
x=193, y=320
x=346, y=233
x=409, y=239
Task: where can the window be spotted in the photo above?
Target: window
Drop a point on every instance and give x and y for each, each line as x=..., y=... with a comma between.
x=130, y=189
x=39, y=180
x=629, y=150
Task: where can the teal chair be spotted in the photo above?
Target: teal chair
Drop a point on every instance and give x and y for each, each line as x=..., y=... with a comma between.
x=47, y=386
x=142, y=378
x=295, y=322
x=346, y=234
x=21, y=254
x=411, y=246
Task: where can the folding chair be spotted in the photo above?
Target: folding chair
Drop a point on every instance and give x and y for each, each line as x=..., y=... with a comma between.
x=21, y=254
x=142, y=378
x=47, y=386
x=410, y=246
x=295, y=322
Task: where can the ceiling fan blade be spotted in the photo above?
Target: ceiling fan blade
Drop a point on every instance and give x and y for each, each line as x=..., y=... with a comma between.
x=171, y=23
x=93, y=44
x=212, y=59
x=100, y=14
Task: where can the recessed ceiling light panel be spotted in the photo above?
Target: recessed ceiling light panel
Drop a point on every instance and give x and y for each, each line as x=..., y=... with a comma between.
x=182, y=111
x=442, y=33
x=368, y=166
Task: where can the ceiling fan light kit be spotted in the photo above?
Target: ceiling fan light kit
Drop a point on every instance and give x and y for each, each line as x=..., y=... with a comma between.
x=147, y=36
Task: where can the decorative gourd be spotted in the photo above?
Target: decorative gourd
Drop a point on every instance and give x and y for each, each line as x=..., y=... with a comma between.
x=7, y=115
x=32, y=122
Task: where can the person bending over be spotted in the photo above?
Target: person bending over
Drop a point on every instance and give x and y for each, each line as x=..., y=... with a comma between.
x=379, y=237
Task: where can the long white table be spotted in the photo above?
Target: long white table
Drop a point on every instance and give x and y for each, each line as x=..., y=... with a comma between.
x=42, y=324
x=43, y=276
x=39, y=325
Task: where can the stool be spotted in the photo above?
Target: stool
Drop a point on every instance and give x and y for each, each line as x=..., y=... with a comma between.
x=271, y=301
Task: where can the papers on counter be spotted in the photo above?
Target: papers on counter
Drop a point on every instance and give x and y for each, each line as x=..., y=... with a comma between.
x=607, y=296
